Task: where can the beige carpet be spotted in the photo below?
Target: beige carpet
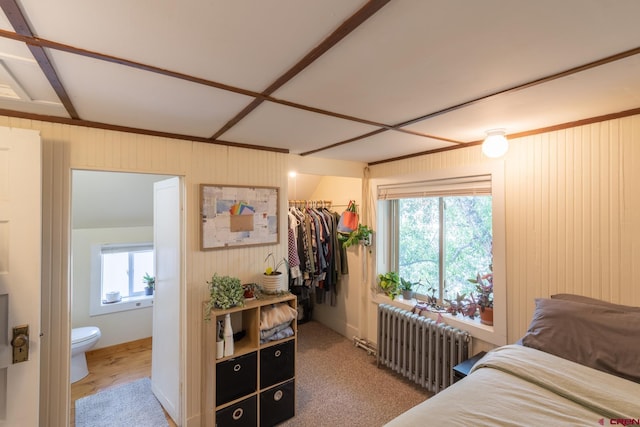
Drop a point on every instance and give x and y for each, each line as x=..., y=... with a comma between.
x=338, y=384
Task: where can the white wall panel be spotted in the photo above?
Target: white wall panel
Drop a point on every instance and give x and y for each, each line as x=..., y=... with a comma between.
x=69, y=147
x=573, y=214
x=572, y=220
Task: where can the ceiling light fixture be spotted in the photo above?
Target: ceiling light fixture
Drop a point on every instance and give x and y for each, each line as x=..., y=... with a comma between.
x=495, y=144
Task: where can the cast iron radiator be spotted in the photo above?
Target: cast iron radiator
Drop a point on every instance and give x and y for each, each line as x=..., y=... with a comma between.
x=419, y=348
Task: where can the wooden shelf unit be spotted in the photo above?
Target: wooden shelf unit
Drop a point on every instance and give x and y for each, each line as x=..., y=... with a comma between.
x=265, y=373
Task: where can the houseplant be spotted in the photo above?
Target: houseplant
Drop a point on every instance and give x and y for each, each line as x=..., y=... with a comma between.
x=462, y=305
x=484, y=295
x=406, y=287
x=360, y=235
x=272, y=278
x=150, y=284
x=224, y=292
x=390, y=283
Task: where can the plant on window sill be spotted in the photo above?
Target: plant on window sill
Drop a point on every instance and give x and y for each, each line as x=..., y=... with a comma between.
x=484, y=289
x=150, y=283
x=390, y=284
x=462, y=305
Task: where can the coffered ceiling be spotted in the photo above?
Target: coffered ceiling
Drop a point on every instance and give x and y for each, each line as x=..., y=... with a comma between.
x=344, y=79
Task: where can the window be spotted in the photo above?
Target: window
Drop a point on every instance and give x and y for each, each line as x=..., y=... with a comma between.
x=120, y=267
x=441, y=229
x=442, y=242
x=123, y=268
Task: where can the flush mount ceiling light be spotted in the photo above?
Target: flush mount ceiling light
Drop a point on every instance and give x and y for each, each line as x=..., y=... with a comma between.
x=495, y=144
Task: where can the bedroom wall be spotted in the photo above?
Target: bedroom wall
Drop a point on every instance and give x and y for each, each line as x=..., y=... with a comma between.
x=573, y=214
x=67, y=147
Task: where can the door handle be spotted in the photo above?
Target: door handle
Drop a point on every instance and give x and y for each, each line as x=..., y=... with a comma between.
x=20, y=343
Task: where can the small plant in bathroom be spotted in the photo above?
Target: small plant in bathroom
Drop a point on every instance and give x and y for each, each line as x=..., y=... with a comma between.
x=224, y=292
x=150, y=283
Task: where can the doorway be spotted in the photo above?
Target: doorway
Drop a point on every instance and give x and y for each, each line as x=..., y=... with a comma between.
x=113, y=210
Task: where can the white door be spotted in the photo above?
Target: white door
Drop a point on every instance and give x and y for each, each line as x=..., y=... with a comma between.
x=20, y=263
x=167, y=239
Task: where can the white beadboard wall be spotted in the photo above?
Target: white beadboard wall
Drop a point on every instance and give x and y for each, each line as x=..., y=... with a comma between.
x=69, y=147
x=573, y=221
x=572, y=212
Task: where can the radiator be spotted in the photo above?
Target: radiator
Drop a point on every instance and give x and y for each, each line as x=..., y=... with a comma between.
x=419, y=348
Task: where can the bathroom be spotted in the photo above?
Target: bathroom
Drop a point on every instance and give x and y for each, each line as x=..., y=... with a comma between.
x=109, y=209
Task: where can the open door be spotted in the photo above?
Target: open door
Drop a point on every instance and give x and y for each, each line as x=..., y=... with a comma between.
x=20, y=264
x=166, y=363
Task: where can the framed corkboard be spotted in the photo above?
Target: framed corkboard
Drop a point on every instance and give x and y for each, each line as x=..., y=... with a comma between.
x=232, y=216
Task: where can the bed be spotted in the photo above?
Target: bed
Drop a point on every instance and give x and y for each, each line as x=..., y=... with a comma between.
x=577, y=365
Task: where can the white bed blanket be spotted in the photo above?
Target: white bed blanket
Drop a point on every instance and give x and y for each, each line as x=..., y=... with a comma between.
x=520, y=386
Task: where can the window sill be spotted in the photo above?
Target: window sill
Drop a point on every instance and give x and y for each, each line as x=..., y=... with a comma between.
x=133, y=303
x=473, y=326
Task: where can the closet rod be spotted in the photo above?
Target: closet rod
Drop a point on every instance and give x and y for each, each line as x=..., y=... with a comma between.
x=310, y=203
x=315, y=203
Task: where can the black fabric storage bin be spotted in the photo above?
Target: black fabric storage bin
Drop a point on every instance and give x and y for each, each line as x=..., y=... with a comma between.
x=277, y=404
x=236, y=377
x=277, y=363
x=242, y=414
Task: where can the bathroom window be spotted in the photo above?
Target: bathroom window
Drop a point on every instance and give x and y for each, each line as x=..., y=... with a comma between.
x=120, y=268
x=123, y=268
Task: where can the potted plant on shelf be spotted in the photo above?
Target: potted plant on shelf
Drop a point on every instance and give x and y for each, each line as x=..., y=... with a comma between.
x=389, y=284
x=272, y=278
x=224, y=292
x=150, y=284
x=484, y=289
x=361, y=235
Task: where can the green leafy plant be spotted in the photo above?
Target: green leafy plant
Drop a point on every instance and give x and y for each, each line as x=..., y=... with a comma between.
x=150, y=281
x=362, y=234
x=463, y=305
x=225, y=292
x=390, y=283
x=484, y=289
x=273, y=269
x=406, y=285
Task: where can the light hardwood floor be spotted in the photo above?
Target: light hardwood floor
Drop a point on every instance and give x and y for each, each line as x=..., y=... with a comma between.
x=112, y=366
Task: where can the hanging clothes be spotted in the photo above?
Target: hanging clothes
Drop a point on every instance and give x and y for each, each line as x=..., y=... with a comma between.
x=321, y=259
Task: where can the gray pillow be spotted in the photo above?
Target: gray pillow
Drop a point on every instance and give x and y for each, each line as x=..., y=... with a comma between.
x=587, y=300
x=598, y=336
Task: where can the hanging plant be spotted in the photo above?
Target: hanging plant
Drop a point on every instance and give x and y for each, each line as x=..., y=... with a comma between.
x=362, y=234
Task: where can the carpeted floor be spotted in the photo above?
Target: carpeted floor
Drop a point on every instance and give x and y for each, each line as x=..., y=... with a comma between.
x=338, y=384
x=131, y=404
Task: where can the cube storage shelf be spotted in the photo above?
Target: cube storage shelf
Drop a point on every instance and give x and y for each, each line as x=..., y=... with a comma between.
x=256, y=385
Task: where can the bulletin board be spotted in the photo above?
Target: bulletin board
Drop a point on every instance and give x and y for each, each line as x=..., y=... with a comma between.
x=232, y=216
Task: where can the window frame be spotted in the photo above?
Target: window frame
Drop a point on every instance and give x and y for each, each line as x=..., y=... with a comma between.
x=96, y=305
x=496, y=334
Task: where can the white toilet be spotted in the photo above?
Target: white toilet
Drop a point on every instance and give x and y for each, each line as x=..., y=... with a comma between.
x=82, y=339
